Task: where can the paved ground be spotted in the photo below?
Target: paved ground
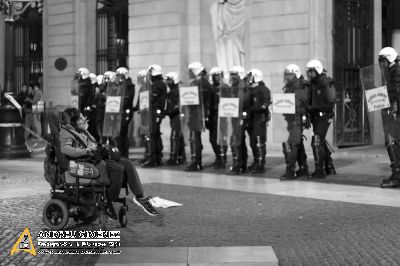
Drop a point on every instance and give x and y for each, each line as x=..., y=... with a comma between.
x=302, y=230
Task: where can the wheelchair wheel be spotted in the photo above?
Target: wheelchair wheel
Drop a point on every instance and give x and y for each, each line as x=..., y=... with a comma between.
x=55, y=214
x=123, y=216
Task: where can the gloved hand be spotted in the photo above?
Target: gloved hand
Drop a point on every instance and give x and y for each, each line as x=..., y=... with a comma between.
x=159, y=116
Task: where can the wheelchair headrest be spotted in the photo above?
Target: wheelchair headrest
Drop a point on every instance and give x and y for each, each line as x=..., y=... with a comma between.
x=55, y=117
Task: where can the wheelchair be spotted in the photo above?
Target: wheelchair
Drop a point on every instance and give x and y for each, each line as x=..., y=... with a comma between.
x=76, y=191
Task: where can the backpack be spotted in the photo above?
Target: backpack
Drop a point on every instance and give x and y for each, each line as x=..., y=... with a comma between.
x=330, y=92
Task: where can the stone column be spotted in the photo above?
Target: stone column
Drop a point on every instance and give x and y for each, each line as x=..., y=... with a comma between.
x=375, y=118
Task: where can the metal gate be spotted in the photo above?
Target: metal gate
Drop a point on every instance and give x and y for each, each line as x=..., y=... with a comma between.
x=112, y=35
x=28, y=54
x=353, y=48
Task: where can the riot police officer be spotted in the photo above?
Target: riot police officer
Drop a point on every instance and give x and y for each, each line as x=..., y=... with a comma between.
x=90, y=111
x=388, y=61
x=127, y=111
x=218, y=88
x=198, y=74
x=85, y=89
x=260, y=116
x=177, y=151
x=158, y=95
x=239, y=125
x=293, y=149
x=100, y=101
x=144, y=114
x=321, y=108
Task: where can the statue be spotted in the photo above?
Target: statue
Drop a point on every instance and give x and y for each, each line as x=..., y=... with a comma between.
x=228, y=19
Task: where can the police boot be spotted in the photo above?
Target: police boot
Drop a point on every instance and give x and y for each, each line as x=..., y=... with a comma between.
x=285, y=154
x=329, y=167
x=289, y=174
x=318, y=152
x=195, y=164
x=303, y=170
x=235, y=169
x=302, y=161
x=260, y=159
x=393, y=181
x=146, y=155
x=154, y=157
x=220, y=161
x=173, y=159
x=291, y=154
x=152, y=162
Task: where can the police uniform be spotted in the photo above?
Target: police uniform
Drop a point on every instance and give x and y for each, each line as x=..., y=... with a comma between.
x=293, y=149
x=127, y=114
x=238, y=147
x=157, y=98
x=217, y=89
x=391, y=124
x=195, y=128
x=177, y=155
x=100, y=101
x=321, y=112
x=259, y=112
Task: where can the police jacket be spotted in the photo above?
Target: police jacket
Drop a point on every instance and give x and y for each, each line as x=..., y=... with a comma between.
x=173, y=101
x=393, y=85
x=86, y=94
x=259, y=102
x=128, y=96
x=100, y=98
x=205, y=92
x=217, y=91
x=158, y=93
x=301, y=89
x=320, y=102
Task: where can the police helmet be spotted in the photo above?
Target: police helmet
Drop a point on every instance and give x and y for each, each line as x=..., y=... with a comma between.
x=316, y=65
x=238, y=70
x=389, y=53
x=173, y=76
x=293, y=68
x=83, y=72
x=256, y=75
x=196, y=67
x=155, y=70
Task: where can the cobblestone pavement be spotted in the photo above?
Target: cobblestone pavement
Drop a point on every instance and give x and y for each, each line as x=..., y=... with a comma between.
x=301, y=231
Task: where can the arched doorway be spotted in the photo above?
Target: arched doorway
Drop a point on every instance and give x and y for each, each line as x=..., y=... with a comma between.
x=111, y=35
x=28, y=49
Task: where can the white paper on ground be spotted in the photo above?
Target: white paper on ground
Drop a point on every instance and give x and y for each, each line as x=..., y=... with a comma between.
x=158, y=202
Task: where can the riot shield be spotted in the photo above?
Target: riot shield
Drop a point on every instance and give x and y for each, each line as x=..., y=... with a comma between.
x=375, y=96
x=144, y=109
x=229, y=116
x=191, y=110
x=113, y=112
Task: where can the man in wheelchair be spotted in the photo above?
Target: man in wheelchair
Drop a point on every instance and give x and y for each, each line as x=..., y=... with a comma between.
x=85, y=177
x=76, y=142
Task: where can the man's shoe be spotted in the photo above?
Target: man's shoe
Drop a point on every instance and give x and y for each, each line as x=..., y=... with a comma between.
x=193, y=167
x=145, y=204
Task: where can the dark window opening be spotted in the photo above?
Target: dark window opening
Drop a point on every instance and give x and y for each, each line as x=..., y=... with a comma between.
x=28, y=51
x=111, y=35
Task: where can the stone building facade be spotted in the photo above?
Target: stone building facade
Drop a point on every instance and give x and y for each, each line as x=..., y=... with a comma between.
x=172, y=33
